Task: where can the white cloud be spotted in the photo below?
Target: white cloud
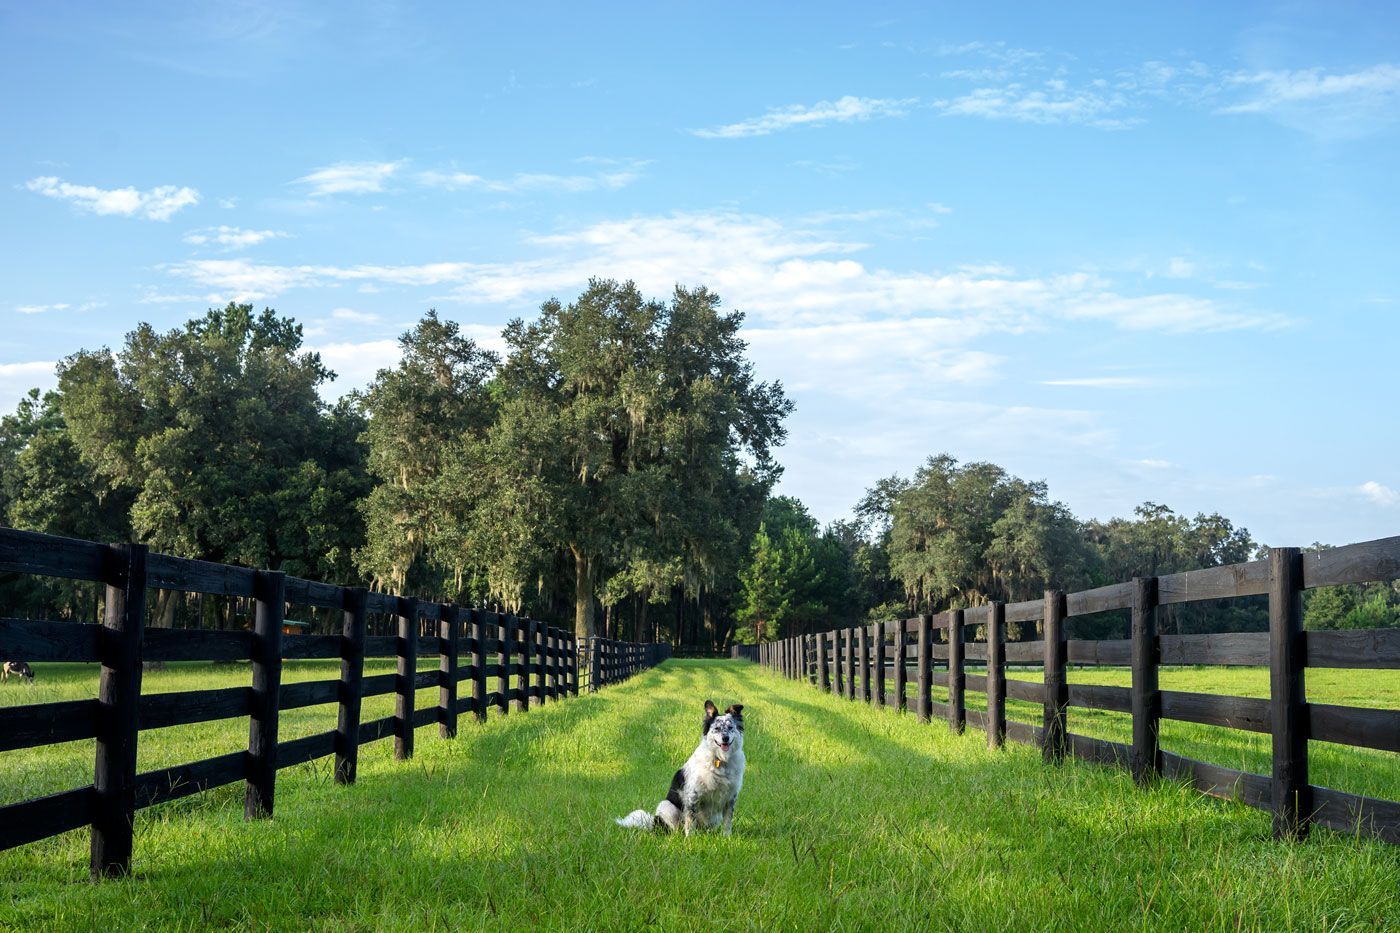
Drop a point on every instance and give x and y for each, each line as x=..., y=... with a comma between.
x=159, y=203
x=18, y=378
x=1053, y=101
x=1380, y=495
x=231, y=237
x=350, y=314
x=1330, y=106
x=780, y=273
x=842, y=110
x=616, y=174
x=1276, y=90
x=350, y=177
x=40, y=309
x=1179, y=268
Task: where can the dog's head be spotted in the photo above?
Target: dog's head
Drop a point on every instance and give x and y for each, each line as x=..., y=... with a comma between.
x=724, y=732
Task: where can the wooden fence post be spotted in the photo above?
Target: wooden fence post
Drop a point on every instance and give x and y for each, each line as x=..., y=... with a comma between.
x=1146, y=697
x=449, y=634
x=901, y=671
x=573, y=663
x=506, y=627
x=924, y=701
x=352, y=673
x=1287, y=698
x=863, y=639
x=996, y=675
x=541, y=662
x=270, y=593
x=595, y=664
x=957, y=673
x=528, y=632
x=118, y=699
x=1056, y=679
x=877, y=634
x=479, y=655
x=823, y=665
x=850, y=663
x=407, y=662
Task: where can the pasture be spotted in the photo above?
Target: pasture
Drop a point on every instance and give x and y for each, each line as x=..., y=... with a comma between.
x=852, y=816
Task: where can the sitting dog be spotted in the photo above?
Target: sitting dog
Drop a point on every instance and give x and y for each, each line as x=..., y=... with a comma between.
x=705, y=789
x=18, y=668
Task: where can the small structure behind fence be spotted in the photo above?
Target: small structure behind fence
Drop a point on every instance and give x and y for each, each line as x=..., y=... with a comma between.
x=859, y=663
x=486, y=660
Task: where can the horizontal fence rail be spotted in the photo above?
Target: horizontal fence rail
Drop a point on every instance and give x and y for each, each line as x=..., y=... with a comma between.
x=486, y=660
x=859, y=662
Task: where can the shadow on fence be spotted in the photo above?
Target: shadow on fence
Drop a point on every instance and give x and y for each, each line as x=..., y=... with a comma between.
x=527, y=662
x=859, y=662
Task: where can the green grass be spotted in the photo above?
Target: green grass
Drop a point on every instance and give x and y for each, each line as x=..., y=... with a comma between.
x=851, y=817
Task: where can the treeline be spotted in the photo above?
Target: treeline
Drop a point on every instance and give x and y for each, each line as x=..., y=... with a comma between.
x=960, y=535
x=609, y=470
x=612, y=469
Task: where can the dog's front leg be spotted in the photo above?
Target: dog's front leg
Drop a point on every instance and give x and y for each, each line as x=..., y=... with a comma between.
x=729, y=818
x=688, y=820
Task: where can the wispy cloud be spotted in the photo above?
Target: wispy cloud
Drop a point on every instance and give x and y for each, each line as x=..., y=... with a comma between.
x=1379, y=494
x=1054, y=101
x=231, y=237
x=1328, y=105
x=350, y=177
x=843, y=110
x=614, y=174
x=41, y=309
x=159, y=203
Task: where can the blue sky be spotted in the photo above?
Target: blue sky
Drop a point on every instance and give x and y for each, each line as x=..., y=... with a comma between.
x=1140, y=251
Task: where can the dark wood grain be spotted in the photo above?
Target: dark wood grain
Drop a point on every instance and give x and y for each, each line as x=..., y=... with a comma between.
x=270, y=593
x=174, y=644
x=449, y=638
x=406, y=668
x=198, y=576
x=35, y=640
x=1245, y=713
x=1231, y=648
x=168, y=784
x=957, y=673
x=1356, y=726
x=159, y=710
x=1096, y=696
x=1367, y=562
x=118, y=718
x=1349, y=813
x=1117, y=652
x=1101, y=599
x=1055, y=718
x=309, y=693
x=996, y=675
x=47, y=724
x=308, y=748
x=1250, y=579
x=1100, y=751
x=1025, y=652
x=1287, y=706
x=1146, y=695
x=1362, y=649
x=53, y=556
x=1027, y=690
x=924, y=682
x=304, y=647
x=32, y=820
x=352, y=672
x=1217, y=781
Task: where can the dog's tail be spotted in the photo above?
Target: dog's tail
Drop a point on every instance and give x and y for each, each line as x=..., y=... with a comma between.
x=637, y=819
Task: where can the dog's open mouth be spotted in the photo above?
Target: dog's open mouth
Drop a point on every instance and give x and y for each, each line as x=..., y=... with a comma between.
x=724, y=744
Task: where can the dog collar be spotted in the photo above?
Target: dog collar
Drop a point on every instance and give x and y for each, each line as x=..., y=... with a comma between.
x=719, y=763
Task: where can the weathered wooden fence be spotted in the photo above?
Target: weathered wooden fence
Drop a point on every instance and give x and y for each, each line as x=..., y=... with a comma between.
x=486, y=660
x=608, y=661
x=872, y=663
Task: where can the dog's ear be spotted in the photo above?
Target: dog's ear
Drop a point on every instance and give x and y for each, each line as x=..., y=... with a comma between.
x=711, y=711
x=736, y=710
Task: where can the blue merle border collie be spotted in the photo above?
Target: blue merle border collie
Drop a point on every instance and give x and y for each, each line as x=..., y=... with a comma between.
x=705, y=789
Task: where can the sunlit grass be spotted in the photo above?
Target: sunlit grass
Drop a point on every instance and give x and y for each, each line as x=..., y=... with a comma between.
x=851, y=817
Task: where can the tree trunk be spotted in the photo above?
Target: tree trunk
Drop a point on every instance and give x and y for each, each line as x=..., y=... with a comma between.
x=643, y=631
x=584, y=624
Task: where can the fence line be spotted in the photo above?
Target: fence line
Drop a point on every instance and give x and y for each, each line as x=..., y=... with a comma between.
x=529, y=663
x=829, y=660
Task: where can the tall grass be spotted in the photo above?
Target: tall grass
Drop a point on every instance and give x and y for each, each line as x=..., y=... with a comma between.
x=851, y=817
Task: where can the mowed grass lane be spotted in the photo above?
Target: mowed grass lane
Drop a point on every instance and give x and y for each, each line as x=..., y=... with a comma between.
x=851, y=816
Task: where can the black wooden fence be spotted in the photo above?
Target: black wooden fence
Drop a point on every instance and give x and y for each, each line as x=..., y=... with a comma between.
x=486, y=660
x=860, y=663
